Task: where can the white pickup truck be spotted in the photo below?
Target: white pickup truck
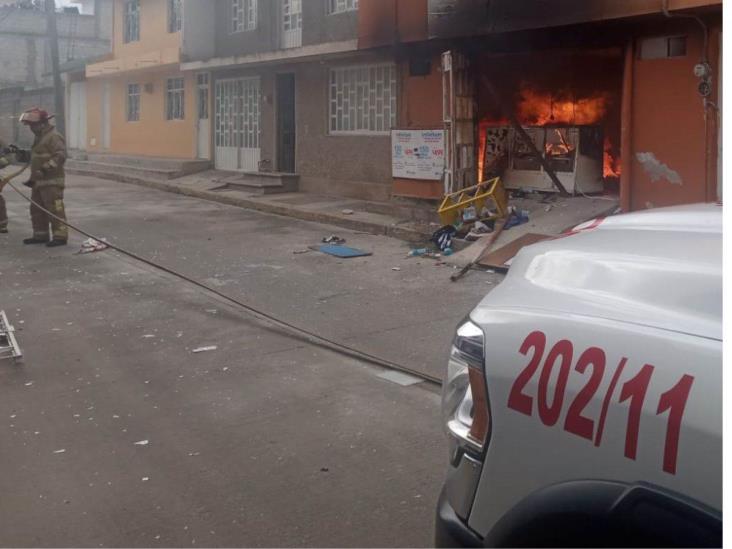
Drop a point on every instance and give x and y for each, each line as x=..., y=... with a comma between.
x=583, y=399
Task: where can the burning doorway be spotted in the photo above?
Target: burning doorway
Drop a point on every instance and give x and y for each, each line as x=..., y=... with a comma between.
x=569, y=105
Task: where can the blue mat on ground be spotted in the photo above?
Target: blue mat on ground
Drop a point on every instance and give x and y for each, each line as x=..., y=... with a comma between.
x=343, y=251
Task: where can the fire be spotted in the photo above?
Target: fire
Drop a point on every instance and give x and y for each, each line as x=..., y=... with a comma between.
x=542, y=108
x=611, y=162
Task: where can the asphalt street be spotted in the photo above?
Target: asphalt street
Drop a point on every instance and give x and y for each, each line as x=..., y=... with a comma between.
x=116, y=433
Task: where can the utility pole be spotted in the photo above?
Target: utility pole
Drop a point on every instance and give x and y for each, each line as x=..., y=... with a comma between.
x=58, y=87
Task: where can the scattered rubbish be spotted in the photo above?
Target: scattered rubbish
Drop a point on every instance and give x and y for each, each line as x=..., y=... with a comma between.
x=324, y=469
x=300, y=252
x=470, y=214
x=516, y=218
x=443, y=238
x=348, y=212
x=145, y=479
x=333, y=239
x=419, y=252
x=343, y=252
x=148, y=336
x=396, y=268
x=448, y=252
x=205, y=349
x=90, y=245
x=212, y=311
x=400, y=378
x=62, y=451
x=549, y=208
x=194, y=454
x=142, y=443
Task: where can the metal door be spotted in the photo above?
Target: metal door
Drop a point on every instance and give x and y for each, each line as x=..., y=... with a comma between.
x=203, y=147
x=237, y=124
x=286, y=123
x=458, y=93
x=291, y=23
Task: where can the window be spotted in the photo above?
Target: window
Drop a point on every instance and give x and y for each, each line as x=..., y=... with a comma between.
x=133, y=102
x=175, y=99
x=243, y=15
x=339, y=6
x=291, y=15
x=132, y=21
x=363, y=99
x=662, y=47
x=175, y=15
x=202, y=80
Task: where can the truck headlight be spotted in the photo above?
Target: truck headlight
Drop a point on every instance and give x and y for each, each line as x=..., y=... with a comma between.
x=465, y=409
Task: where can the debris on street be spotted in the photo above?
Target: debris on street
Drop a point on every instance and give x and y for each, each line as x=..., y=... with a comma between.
x=90, y=246
x=205, y=349
x=343, y=252
x=333, y=239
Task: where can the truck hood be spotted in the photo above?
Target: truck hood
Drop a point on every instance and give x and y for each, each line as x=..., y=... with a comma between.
x=659, y=268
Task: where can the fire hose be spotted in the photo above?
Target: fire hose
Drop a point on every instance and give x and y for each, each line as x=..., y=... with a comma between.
x=268, y=319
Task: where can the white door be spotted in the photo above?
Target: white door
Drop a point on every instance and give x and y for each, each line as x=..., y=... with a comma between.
x=237, y=124
x=291, y=23
x=106, y=114
x=76, y=125
x=204, y=120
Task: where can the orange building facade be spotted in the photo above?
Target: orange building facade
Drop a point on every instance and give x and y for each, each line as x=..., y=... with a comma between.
x=138, y=101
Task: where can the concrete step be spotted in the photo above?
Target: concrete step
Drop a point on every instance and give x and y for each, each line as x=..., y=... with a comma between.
x=264, y=183
x=182, y=165
x=103, y=169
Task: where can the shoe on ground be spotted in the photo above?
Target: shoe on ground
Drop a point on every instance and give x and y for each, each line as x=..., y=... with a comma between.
x=56, y=243
x=31, y=241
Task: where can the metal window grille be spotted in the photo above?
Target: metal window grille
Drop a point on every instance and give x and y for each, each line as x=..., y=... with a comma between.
x=175, y=104
x=132, y=21
x=363, y=99
x=237, y=113
x=175, y=15
x=340, y=6
x=243, y=15
x=202, y=81
x=133, y=102
x=292, y=14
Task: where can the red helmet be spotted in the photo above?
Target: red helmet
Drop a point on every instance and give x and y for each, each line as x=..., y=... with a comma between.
x=31, y=116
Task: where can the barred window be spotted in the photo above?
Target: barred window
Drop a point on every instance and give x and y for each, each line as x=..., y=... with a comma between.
x=243, y=15
x=175, y=99
x=175, y=15
x=133, y=102
x=339, y=6
x=363, y=99
x=132, y=21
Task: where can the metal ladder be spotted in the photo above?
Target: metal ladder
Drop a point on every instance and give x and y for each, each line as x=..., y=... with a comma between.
x=9, y=349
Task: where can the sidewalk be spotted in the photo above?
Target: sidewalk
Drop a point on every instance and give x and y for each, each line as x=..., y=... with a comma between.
x=368, y=217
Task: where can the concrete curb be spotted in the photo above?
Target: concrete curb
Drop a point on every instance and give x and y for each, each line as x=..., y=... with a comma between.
x=402, y=233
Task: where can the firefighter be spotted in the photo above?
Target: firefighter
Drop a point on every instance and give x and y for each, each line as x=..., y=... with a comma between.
x=47, y=179
x=4, y=163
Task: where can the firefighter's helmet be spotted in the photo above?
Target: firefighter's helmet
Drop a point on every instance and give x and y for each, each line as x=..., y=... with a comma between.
x=34, y=115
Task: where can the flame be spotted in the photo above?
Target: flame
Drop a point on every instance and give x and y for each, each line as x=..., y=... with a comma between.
x=611, y=162
x=542, y=108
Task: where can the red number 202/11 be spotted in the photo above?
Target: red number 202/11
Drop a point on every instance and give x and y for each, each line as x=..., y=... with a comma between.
x=592, y=365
